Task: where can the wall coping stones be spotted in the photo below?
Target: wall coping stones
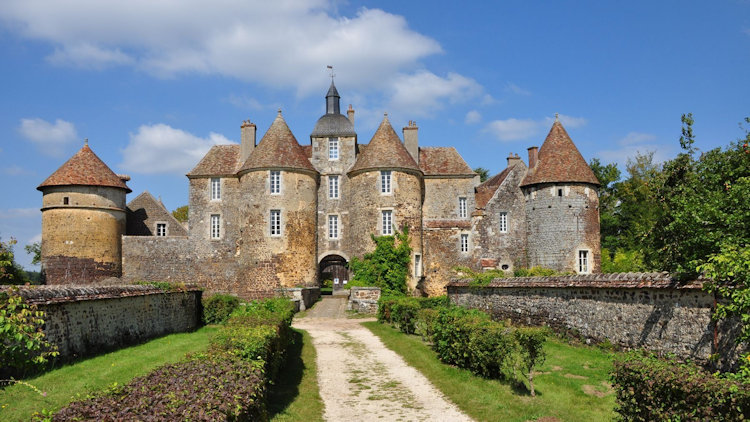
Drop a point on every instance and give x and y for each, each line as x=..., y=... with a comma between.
x=364, y=288
x=653, y=280
x=47, y=295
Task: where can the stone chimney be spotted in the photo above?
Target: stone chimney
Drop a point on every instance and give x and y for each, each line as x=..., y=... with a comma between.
x=513, y=159
x=411, y=140
x=247, y=138
x=350, y=114
x=533, y=156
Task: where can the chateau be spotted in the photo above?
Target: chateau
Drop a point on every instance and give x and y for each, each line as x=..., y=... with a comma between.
x=274, y=213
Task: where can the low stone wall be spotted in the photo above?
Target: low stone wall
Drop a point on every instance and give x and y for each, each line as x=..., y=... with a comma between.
x=632, y=310
x=303, y=297
x=84, y=320
x=364, y=299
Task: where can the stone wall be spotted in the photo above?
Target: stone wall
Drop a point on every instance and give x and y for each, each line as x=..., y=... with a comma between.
x=303, y=297
x=364, y=299
x=87, y=320
x=631, y=310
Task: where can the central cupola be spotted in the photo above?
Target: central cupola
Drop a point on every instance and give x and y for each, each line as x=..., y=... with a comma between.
x=333, y=123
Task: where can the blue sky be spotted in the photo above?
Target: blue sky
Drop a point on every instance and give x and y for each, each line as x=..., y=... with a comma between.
x=153, y=85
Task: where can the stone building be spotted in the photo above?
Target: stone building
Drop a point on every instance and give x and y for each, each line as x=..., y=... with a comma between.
x=274, y=213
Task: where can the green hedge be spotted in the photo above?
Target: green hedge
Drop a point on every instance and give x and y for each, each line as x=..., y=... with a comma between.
x=467, y=338
x=227, y=383
x=218, y=307
x=651, y=389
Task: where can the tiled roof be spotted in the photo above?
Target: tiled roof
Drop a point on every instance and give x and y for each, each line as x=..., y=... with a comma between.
x=145, y=210
x=385, y=150
x=307, y=149
x=487, y=189
x=443, y=161
x=86, y=169
x=559, y=161
x=601, y=281
x=278, y=149
x=220, y=160
x=447, y=224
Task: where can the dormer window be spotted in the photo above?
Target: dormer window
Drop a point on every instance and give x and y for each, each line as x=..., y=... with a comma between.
x=333, y=148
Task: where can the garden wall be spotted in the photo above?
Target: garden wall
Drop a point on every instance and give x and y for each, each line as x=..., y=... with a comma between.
x=648, y=310
x=364, y=299
x=86, y=320
x=303, y=297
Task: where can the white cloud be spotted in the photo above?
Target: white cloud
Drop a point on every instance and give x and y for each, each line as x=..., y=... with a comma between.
x=161, y=148
x=634, y=138
x=36, y=238
x=16, y=170
x=19, y=213
x=88, y=56
x=567, y=121
x=247, y=103
x=472, y=117
x=635, y=143
x=515, y=89
x=512, y=129
x=49, y=138
x=424, y=92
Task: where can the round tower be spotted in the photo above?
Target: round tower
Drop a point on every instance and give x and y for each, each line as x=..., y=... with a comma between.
x=387, y=191
x=83, y=220
x=278, y=196
x=562, y=207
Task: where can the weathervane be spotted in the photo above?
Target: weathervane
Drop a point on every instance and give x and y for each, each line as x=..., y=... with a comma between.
x=330, y=68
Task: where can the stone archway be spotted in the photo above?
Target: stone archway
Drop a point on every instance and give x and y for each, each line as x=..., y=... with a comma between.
x=335, y=268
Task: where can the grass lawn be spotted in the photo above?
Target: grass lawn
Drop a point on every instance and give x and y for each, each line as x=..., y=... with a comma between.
x=295, y=395
x=572, y=385
x=61, y=385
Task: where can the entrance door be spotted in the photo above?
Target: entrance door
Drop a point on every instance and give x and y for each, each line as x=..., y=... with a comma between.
x=334, y=268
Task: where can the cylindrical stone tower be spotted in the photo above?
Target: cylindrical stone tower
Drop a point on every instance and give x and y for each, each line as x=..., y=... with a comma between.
x=83, y=220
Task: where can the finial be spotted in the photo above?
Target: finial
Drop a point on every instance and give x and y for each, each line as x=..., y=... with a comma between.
x=331, y=74
x=557, y=118
x=86, y=141
x=385, y=115
x=279, y=112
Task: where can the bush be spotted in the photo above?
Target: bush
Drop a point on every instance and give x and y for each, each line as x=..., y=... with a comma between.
x=217, y=308
x=404, y=312
x=491, y=346
x=215, y=387
x=531, y=347
x=425, y=324
x=535, y=272
x=650, y=389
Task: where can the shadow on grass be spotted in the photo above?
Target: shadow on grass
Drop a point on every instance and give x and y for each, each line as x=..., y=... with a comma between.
x=286, y=388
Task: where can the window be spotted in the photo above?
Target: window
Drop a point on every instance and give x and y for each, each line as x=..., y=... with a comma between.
x=385, y=181
x=66, y=200
x=215, y=188
x=333, y=226
x=559, y=192
x=161, y=229
x=387, y=223
x=275, y=222
x=462, y=207
x=275, y=182
x=503, y=222
x=417, y=265
x=464, y=242
x=333, y=148
x=583, y=262
x=215, y=226
x=333, y=187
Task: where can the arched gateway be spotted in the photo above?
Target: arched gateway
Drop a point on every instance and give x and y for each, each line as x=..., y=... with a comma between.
x=335, y=268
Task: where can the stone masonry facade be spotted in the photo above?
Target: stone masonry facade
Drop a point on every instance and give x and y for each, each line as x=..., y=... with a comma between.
x=277, y=214
x=631, y=310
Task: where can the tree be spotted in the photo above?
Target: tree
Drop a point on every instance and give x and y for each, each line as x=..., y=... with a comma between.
x=181, y=214
x=483, y=173
x=608, y=176
x=10, y=271
x=35, y=250
x=387, y=266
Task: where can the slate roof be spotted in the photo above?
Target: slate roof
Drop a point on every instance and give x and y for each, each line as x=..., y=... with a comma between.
x=559, y=161
x=220, y=160
x=385, y=150
x=487, y=189
x=85, y=169
x=278, y=149
x=443, y=161
x=333, y=125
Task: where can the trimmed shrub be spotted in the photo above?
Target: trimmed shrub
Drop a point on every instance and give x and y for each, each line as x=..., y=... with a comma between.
x=651, y=389
x=425, y=324
x=452, y=331
x=490, y=347
x=204, y=388
x=404, y=314
x=385, y=308
x=217, y=308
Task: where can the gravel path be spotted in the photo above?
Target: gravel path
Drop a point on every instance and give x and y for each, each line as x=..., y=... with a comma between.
x=361, y=380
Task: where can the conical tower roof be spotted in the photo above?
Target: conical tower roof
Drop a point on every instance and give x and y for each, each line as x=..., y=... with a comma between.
x=385, y=150
x=84, y=169
x=278, y=149
x=559, y=161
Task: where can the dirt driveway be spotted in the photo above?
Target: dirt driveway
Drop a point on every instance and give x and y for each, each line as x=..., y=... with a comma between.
x=361, y=380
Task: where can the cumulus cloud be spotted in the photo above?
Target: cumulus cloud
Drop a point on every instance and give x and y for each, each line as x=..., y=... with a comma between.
x=515, y=89
x=16, y=170
x=49, y=138
x=517, y=129
x=423, y=93
x=161, y=148
x=635, y=143
x=472, y=117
